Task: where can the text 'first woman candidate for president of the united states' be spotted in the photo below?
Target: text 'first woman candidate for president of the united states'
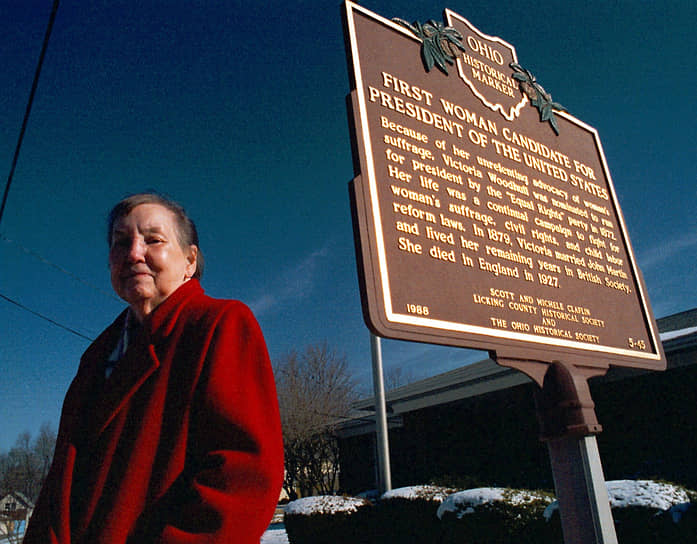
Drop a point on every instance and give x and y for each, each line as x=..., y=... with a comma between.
x=170, y=431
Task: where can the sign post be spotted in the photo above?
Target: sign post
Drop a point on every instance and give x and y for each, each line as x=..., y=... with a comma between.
x=382, y=441
x=485, y=217
x=580, y=486
x=568, y=424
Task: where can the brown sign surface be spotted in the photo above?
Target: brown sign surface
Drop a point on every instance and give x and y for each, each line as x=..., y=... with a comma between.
x=477, y=223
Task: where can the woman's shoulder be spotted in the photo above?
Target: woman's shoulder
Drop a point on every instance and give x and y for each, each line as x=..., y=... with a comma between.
x=191, y=303
x=211, y=310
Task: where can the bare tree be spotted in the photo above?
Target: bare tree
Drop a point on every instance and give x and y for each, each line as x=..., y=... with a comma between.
x=43, y=447
x=397, y=376
x=315, y=392
x=24, y=468
x=24, y=474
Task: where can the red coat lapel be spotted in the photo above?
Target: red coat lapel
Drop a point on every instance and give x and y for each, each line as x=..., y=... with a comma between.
x=137, y=365
x=140, y=361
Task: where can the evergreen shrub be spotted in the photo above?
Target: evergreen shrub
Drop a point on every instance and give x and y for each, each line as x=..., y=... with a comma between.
x=328, y=519
x=408, y=514
x=645, y=512
x=494, y=516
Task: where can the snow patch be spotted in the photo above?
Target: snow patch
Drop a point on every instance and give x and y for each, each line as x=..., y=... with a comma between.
x=466, y=502
x=324, y=504
x=427, y=492
x=644, y=493
x=276, y=535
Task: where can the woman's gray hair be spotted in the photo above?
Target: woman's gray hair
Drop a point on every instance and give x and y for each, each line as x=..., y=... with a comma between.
x=185, y=227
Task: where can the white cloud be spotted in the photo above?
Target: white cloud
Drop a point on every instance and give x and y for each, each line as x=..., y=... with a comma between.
x=262, y=304
x=294, y=283
x=659, y=254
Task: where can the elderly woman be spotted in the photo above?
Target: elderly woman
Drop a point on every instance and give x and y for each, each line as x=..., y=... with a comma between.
x=170, y=431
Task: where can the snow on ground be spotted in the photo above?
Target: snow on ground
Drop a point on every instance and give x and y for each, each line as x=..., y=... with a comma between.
x=275, y=534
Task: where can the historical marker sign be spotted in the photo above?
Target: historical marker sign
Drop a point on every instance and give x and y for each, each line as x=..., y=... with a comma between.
x=485, y=216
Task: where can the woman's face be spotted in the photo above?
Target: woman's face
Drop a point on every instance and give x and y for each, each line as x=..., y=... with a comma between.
x=147, y=262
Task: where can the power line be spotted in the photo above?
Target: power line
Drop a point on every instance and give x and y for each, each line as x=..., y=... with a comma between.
x=10, y=176
x=35, y=83
x=58, y=267
x=52, y=321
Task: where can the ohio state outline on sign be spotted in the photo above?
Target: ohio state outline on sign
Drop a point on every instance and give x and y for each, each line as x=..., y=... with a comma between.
x=485, y=68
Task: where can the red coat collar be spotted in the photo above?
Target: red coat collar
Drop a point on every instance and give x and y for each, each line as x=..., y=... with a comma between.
x=162, y=319
x=141, y=359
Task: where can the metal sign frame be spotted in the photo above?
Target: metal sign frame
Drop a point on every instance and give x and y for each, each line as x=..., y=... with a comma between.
x=379, y=273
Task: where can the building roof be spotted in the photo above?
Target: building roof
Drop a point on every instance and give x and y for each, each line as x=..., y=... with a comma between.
x=467, y=381
x=679, y=321
x=20, y=498
x=15, y=506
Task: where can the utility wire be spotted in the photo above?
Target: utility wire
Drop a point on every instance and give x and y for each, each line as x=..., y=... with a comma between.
x=52, y=18
x=58, y=267
x=37, y=314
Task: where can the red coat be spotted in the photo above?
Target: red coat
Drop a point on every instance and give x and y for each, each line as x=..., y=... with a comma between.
x=181, y=445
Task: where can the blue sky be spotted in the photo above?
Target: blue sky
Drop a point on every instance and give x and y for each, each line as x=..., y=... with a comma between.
x=237, y=110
